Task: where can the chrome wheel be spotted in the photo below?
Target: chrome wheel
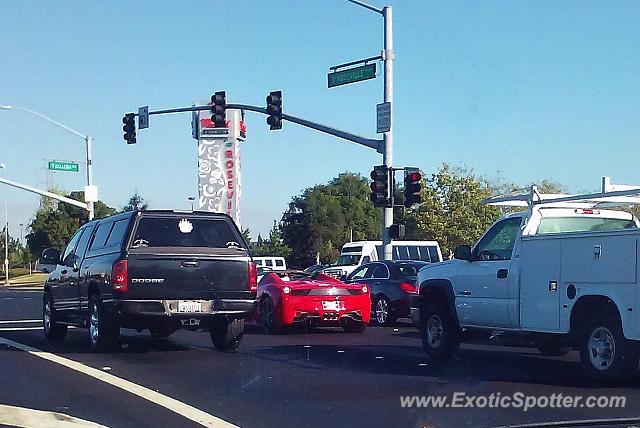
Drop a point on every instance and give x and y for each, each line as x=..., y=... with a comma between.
x=46, y=316
x=382, y=310
x=601, y=348
x=93, y=324
x=435, y=331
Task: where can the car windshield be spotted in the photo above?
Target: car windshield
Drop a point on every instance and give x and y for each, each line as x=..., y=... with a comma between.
x=347, y=260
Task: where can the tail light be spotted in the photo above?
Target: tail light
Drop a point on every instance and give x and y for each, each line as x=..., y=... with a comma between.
x=408, y=287
x=120, y=275
x=253, y=276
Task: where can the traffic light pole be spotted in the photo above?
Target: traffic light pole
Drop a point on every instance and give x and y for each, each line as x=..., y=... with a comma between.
x=388, y=56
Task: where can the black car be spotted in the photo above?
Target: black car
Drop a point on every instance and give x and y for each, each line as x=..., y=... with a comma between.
x=392, y=283
x=155, y=270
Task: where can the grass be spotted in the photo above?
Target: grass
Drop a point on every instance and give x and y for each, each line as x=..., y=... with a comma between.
x=36, y=278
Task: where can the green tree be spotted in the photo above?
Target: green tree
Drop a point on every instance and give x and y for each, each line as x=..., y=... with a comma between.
x=52, y=227
x=452, y=213
x=324, y=217
x=274, y=246
x=136, y=202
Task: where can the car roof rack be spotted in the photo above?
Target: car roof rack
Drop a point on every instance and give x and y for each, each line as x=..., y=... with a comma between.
x=612, y=195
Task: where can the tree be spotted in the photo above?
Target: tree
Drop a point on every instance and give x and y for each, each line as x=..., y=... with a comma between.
x=52, y=227
x=136, y=202
x=452, y=213
x=274, y=246
x=324, y=217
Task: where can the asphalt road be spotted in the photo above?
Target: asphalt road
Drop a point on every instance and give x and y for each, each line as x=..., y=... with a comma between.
x=324, y=378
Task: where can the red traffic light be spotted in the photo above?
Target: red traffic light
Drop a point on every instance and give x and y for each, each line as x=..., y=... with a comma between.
x=414, y=176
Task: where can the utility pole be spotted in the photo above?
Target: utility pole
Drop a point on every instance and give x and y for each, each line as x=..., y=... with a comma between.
x=6, y=242
x=387, y=57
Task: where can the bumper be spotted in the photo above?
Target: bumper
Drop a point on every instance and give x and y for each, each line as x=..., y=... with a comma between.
x=146, y=312
x=296, y=309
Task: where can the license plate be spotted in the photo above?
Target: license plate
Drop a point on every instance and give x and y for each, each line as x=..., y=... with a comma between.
x=189, y=306
x=332, y=305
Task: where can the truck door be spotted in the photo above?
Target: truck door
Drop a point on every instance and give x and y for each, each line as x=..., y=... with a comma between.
x=540, y=284
x=65, y=290
x=483, y=287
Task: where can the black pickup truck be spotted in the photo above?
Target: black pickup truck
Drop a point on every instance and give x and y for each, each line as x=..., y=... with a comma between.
x=155, y=270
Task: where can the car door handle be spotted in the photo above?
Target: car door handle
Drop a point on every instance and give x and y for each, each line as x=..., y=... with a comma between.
x=190, y=264
x=464, y=292
x=502, y=273
x=376, y=283
x=64, y=271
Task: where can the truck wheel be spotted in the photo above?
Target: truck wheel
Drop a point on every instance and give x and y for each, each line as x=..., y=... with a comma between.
x=103, y=329
x=552, y=349
x=226, y=335
x=604, y=351
x=439, y=333
x=52, y=330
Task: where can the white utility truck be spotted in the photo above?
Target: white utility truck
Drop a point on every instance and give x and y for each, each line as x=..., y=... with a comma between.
x=357, y=253
x=562, y=274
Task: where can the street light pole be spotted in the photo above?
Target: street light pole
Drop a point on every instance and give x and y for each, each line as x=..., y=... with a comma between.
x=6, y=236
x=88, y=141
x=388, y=56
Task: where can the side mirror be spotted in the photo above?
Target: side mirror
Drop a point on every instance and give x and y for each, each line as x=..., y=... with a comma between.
x=463, y=252
x=343, y=278
x=51, y=256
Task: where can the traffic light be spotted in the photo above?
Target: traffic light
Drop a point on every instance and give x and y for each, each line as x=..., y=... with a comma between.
x=129, y=128
x=380, y=186
x=274, y=110
x=412, y=187
x=218, y=108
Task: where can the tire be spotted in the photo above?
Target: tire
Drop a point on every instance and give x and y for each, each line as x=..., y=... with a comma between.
x=268, y=319
x=604, y=351
x=381, y=312
x=52, y=330
x=354, y=327
x=104, y=332
x=227, y=334
x=552, y=349
x=439, y=332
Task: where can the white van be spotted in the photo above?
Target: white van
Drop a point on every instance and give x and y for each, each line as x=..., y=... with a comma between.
x=357, y=253
x=273, y=263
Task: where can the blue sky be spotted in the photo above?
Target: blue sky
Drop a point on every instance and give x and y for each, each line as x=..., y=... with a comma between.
x=521, y=90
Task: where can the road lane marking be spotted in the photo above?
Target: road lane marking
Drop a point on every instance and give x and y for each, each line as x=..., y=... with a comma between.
x=26, y=418
x=183, y=409
x=20, y=328
x=18, y=321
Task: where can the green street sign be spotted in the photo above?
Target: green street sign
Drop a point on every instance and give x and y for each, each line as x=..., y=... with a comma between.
x=351, y=75
x=63, y=166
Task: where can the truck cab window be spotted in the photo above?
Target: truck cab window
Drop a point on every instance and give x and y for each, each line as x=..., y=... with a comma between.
x=498, y=243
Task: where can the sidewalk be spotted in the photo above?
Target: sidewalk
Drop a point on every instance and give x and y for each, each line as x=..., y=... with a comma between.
x=35, y=280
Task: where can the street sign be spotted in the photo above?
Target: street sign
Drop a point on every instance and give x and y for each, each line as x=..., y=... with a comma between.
x=351, y=75
x=143, y=117
x=63, y=166
x=383, y=114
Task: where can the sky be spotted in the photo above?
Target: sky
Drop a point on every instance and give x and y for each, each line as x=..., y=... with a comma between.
x=518, y=90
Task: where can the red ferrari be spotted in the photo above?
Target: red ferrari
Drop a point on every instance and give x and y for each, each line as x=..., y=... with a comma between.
x=314, y=299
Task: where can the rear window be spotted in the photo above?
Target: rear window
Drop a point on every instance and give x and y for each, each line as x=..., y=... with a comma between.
x=410, y=269
x=279, y=263
x=582, y=224
x=184, y=232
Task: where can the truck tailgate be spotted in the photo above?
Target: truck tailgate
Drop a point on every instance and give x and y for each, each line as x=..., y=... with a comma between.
x=188, y=273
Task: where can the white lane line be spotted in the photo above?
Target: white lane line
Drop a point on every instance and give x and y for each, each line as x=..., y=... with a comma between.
x=18, y=321
x=26, y=418
x=187, y=411
x=20, y=328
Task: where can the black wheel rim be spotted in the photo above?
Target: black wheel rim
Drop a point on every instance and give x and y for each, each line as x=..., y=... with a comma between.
x=267, y=316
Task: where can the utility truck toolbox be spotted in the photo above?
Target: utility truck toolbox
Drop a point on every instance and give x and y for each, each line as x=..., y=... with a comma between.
x=563, y=274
